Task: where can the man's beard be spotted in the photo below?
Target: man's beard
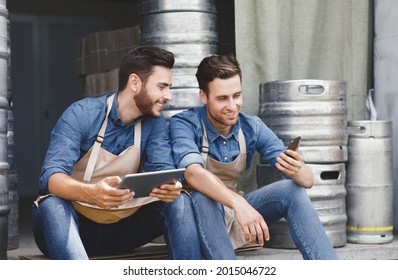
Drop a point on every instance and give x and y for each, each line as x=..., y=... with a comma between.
x=145, y=104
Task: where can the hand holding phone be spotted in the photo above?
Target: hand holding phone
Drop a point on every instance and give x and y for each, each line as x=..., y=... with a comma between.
x=292, y=146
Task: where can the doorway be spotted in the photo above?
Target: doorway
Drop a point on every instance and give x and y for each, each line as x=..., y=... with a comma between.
x=44, y=83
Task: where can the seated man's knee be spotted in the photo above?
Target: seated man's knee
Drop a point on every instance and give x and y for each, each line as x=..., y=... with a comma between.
x=204, y=201
x=179, y=206
x=55, y=207
x=296, y=192
x=288, y=190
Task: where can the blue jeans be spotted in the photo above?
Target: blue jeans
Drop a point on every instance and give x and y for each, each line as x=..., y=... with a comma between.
x=211, y=241
x=62, y=233
x=286, y=199
x=195, y=229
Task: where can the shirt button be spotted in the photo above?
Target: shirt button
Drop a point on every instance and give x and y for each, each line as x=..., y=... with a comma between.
x=225, y=158
x=224, y=142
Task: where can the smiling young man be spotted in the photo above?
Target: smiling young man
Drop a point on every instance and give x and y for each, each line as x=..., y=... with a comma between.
x=79, y=213
x=216, y=143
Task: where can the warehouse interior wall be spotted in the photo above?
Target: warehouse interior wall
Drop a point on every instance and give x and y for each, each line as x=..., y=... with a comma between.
x=305, y=39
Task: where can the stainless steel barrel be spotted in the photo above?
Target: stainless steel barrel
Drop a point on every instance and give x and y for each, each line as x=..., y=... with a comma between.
x=188, y=29
x=4, y=210
x=316, y=110
x=13, y=205
x=13, y=196
x=4, y=166
x=370, y=182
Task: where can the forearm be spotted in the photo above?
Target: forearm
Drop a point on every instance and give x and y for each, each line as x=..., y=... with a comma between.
x=68, y=188
x=207, y=183
x=292, y=164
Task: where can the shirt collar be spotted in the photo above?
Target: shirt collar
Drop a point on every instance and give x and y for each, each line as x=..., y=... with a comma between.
x=114, y=114
x=212, y=133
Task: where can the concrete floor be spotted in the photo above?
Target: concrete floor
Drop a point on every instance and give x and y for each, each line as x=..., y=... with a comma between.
x=27, y=248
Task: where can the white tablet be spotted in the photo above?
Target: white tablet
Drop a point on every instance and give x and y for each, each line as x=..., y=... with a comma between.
x=143, y=183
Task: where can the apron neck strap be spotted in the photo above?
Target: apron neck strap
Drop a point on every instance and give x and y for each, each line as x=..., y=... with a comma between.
x=97, y=144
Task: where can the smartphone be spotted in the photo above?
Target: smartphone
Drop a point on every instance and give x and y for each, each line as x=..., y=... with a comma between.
x=294, y=143
x=292, y=146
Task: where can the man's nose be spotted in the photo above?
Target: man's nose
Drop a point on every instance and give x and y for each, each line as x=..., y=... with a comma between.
x=167, y=95
x=232, y=104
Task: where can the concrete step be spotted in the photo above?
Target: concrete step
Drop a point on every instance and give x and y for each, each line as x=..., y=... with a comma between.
x=350, y=251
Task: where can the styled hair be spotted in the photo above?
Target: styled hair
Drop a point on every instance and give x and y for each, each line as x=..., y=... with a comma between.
x=141, y=60
x=217, y=66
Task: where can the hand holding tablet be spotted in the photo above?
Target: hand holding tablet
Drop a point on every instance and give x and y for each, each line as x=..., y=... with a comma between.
x=143, y=183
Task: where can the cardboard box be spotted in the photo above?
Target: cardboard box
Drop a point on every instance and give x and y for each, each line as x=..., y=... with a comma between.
x=102, y=51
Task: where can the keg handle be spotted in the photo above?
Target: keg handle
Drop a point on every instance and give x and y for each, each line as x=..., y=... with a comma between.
x=330, y=175
x=313, y=88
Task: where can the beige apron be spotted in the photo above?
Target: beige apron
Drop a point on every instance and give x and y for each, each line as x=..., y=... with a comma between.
x=98, y=164
x=229, y=174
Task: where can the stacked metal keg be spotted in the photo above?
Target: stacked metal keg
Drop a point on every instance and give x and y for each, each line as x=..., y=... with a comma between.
x=189, y=30
x=4, y=166
x=316, y=110
x=13, y=184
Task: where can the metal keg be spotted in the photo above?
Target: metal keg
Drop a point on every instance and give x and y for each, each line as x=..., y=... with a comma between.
x=316, y=110
x=189, y=30
x=4, y=166
x=328, y=197
x=370, y=182
x=4, y=210
x=13, y=196
x=13, y=205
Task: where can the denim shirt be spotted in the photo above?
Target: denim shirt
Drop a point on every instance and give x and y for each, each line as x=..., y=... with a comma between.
x=77, y=128
x=186, y=136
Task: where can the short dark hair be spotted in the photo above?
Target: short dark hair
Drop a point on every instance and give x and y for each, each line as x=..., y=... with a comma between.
x=217, y=66
x=141, y=60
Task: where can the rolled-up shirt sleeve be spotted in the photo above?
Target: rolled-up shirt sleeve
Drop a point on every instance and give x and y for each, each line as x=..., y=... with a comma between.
x=186, y=137
x=64, y=147
x=267, y=144
x=157, y=149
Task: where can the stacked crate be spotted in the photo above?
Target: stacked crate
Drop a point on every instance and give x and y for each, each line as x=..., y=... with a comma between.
x=98, y=58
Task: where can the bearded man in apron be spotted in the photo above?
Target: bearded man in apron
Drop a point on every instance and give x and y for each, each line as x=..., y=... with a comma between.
x=216, y=143
x=79, y=213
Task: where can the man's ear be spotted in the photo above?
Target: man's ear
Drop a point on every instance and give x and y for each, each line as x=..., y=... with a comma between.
x=134, y=82
x=203, y=97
